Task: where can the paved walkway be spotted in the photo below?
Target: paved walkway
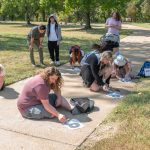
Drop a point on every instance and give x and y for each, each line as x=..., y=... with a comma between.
x=22, y=134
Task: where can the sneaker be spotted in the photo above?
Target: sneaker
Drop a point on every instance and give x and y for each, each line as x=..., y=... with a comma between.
x=57, y=63
x=42, y=64
x=52, y=63
x=75, y=111
x=33, y=65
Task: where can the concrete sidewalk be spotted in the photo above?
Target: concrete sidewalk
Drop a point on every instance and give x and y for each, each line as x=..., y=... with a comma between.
x=18, y=133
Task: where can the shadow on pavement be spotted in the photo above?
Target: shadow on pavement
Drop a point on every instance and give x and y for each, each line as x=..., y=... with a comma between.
x=9, y=93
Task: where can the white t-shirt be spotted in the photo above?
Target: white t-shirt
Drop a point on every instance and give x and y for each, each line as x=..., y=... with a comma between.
x=52, y=35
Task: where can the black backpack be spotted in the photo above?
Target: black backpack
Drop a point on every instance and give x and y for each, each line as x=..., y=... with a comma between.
x=84, y=104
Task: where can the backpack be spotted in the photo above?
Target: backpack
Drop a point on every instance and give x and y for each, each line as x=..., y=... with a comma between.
x=84, y=104
x=145, y=69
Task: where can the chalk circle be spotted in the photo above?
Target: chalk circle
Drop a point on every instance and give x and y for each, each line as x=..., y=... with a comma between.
x=1, y=97
x=73, y=124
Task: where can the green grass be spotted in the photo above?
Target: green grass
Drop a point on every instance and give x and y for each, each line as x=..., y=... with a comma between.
x=14, y=54
x=145, y=25
x=133, y=113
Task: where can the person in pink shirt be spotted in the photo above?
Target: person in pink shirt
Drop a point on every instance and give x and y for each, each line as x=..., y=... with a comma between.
x=36, y=101
x=2, y=77
x=113, y=24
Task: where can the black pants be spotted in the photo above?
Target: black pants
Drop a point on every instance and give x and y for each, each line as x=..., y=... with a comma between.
x=52, y=46
x=87, y=75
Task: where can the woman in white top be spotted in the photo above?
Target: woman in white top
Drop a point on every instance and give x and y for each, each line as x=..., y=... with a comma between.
x=54, y=38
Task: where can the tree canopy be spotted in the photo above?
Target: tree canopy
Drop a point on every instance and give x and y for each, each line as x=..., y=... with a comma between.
x=82, y=11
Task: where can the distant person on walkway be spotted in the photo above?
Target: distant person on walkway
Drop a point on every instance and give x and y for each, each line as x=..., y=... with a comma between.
x=36, y=36
x=36, y=101
x=2, y=77
x=96, y=72
x=54, y=38
x=113, y=25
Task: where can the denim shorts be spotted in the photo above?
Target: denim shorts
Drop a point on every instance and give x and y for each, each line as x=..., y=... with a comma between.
x=38, y=111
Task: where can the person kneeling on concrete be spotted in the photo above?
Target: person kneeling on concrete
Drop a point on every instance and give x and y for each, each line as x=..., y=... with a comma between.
x=122, y=69
x=2, y=77
x=96, y=72
x=36, y=101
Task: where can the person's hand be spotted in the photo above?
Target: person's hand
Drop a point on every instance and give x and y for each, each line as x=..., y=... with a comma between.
x=62, y=118
x=30, y=47
x=40, y=46
x=105, y=88
x=58, y=42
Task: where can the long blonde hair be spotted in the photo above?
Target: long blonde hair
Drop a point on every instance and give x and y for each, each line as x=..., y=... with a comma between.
x=106, y=54
x=50, y=71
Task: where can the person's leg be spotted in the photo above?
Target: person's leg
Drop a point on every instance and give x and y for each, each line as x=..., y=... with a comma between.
x=40, y=51
x=106, y=73
x=94, y=87
x=36, y=112
x=56, y=47
x=31, y=53
x=2, y=78
x=87, y=76
x=51, y=50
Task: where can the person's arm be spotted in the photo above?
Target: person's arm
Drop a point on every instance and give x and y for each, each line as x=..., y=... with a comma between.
x=107, y=24
x=31, y=42
x=59, y=97
x=49, y=108
x=118, y=26
x=41, y=42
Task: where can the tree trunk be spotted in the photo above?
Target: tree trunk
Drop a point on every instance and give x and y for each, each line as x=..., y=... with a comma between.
x=88, y=20
x=28, y=18
x=43, y=15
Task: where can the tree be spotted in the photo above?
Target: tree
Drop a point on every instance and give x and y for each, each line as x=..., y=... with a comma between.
x=28, y=8
x=50, y=6
x=145, y=9
x=85, y=7
x=9, y=8
x=131, y=11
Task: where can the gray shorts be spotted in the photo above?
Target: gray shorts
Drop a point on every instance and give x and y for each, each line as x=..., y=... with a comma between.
x=38, y=111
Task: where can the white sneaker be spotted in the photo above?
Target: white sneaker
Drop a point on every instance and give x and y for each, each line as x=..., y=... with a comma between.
x=52, y=63
x=57, y=63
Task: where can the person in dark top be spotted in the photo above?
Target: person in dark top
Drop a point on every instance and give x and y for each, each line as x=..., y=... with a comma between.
x=35, y=36
x=96, y=71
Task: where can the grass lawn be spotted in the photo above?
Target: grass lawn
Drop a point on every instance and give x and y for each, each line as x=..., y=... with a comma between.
x=14, y=53
x=145, y=25
x=133, y=115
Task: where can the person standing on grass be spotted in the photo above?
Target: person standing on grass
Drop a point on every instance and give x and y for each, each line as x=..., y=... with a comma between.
x=35, y=36
x=54, y=38
x=2, y=77
x=36, y=101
